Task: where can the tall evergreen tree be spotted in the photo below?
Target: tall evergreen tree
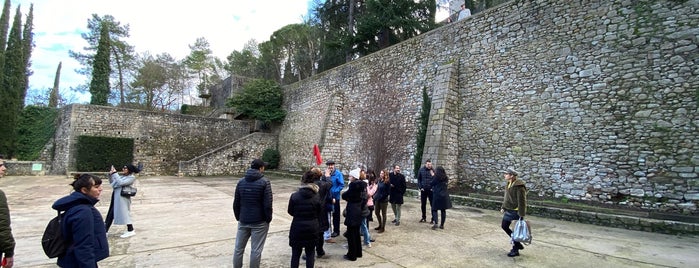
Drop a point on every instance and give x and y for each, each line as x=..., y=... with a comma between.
x=53, y=96
x=122, y=54
x=4, y=28
x=12, y=87
x=27, y=46
x=385, y=23
x=99, y=85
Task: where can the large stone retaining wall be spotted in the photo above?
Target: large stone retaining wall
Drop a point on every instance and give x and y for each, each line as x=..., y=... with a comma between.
x=591, y=100
x=229, y=159
x=161, y=140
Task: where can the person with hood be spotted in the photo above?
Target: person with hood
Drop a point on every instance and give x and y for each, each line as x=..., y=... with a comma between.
x=305, y=208
x=120, y=208
x=356, y=204
x=252, y=207
x=7, y=241
x=514, y=206
x=83, y=226
x=440, y=199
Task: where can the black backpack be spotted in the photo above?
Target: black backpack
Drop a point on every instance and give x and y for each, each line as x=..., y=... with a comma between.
x=52, y=241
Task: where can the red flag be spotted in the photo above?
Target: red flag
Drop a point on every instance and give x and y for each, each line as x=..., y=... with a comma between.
x=316, y=153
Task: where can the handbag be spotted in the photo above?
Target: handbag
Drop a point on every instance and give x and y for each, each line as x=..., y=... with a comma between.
x=128, y=191
x=522, y=232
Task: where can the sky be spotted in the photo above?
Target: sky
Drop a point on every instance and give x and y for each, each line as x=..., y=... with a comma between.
x=155, y=27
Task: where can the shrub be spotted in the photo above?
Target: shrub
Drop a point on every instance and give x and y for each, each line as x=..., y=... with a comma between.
x=272, y=157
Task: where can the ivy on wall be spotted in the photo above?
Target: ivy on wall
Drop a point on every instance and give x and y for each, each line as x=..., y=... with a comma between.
x=422, y=130
x=36, y=127
x=99, y=153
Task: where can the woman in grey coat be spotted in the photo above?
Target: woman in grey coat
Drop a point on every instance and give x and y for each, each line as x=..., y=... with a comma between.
x=121, y=205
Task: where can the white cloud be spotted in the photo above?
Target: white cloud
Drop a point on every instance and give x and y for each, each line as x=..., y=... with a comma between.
x=155, y=26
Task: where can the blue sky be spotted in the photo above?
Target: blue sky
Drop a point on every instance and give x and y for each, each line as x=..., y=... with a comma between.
x=155, y=26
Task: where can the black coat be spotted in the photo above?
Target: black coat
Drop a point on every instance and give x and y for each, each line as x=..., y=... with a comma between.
x=398, y=187
x=326, y=203
x=356, y=203
x=304, y=207
x=440, y=194
x=252, y=203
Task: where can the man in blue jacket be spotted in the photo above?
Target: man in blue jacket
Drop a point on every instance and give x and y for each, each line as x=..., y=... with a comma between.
x=252, y=215
x=338, y=182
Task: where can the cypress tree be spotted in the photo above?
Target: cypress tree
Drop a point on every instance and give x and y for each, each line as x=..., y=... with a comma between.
x=99, y=85
x=5, y=94
x=11, y=85
x=53, y=96
x=27, y=46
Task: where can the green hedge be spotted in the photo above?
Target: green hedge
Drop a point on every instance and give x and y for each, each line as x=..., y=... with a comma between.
x=99, y=153
x=271, y=156
x=35, y=129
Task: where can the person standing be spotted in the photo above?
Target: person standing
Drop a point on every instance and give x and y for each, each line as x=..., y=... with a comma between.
x=514, y=206
x=424, y=183
x=82, y=224
x=7, y=241
x=338, y=182
x=383, y=190
x=398, y=186
x=252, y=207
x=121, y=205
x=464, y=12
x=355, y=207
x=440, y=200
x=325, y=208
x=371, y=188
x=364, y=228
x=305, y=207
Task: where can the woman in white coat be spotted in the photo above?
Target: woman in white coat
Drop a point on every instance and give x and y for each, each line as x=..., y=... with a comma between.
x=121, y=205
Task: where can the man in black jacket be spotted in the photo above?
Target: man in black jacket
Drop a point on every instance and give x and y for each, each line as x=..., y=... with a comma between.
x=252, y=215
x=424, y=181
x=398, y=185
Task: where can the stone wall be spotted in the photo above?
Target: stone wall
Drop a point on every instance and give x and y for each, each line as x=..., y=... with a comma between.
x=590, y=100
x=25, y=168
x=230, y=159
x=161, y=140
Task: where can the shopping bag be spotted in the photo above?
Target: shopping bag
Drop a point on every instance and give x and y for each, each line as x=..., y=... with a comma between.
x=522, y=232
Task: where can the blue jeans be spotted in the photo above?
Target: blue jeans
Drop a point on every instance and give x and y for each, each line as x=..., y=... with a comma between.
x=258, y=231
x=365, y=232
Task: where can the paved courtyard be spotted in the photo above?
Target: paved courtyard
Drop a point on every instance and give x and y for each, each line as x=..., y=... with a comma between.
x=188, y=222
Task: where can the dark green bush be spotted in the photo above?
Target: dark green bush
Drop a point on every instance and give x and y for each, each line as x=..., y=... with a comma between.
x=99, y=153
x=272, y=157
x=36, y=128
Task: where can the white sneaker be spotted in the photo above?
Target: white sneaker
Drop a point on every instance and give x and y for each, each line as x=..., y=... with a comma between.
x=128, y=234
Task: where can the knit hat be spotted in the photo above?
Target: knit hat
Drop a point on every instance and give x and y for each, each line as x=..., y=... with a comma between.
x=132, y=169
x=355, y=173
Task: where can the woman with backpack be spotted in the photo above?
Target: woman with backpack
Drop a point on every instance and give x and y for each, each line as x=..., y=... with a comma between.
x=82, y=226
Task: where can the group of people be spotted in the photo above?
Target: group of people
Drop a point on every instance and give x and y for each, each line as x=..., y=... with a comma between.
x=82, y=226
x=315, y=208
